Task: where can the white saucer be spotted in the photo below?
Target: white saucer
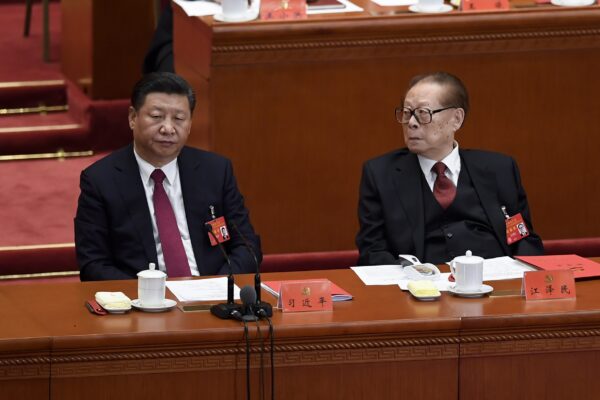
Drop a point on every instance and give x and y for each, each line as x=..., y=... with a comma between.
x=573, y=3
x=167, y=305
x=116, y=310
x=485, y=289
x=248, y=17
x=443, y=9
x=426, y=298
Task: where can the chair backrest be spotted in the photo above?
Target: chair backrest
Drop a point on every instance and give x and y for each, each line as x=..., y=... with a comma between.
x=50, y=263
x=309, y=261
x=585, y=247
x=43, y=263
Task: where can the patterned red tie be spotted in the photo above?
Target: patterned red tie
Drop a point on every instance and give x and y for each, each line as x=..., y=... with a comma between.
x=443, y=188
x=176, y=260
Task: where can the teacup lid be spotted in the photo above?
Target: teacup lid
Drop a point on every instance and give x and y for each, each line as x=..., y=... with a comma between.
x=151, y=273
x=468, y=258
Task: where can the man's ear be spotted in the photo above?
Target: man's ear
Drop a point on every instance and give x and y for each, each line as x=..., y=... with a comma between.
x=132, y=116
x=459, y=118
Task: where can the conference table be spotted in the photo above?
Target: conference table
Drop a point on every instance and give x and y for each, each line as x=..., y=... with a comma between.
x=383, y=344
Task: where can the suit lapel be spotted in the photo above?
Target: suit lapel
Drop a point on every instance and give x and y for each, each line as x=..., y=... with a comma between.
x=129, y=184
x=407, y=183
x=195, y=203
x=484, y=182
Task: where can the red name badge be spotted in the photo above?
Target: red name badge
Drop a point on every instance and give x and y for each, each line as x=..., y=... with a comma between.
x=305, y=295
x=480, y=5
x=219, y=229
x=540, y=285
x=515, y=229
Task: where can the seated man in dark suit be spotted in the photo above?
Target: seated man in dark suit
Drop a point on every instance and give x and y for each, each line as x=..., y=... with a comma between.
x=434, y=200
x=156, y=200
x=159, y=57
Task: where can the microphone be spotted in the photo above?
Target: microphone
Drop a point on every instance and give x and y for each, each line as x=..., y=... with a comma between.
x=224, y=310
x=248, y=296
x=266, y=308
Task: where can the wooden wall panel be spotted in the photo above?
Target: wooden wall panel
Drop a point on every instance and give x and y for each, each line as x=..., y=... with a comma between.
x=300, y=106
x=103, y=44
x=76, y=41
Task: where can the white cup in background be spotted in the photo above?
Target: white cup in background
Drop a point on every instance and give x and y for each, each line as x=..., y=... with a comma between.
x=235, y=8
x=151, y=287
x=430, y=5
x=468, y=272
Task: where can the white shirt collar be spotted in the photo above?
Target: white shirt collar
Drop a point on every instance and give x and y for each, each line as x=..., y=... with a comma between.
x=452, y=162
x=146, y=169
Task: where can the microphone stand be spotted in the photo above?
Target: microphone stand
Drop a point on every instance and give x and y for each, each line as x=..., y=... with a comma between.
x=259, y=305
x=224, y=310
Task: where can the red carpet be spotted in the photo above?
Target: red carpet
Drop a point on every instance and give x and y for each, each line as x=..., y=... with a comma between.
x=39, y=200
x=33, y=94
x=87, y=125
x=22, y=57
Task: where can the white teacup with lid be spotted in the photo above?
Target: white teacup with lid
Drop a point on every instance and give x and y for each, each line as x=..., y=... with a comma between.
x=468, y=272
x=238, y=10
x=151, y=287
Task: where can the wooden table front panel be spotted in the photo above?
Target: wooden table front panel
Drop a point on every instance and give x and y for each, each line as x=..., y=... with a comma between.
x=552, y=366
x=24, y=374
x=385, y=369
x=317, y=355
x=25, y=348
x=544, y=349
x=383, y=344
x=299, y=106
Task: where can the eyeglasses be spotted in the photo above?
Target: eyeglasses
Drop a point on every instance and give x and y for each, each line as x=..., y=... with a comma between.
x=422, y=115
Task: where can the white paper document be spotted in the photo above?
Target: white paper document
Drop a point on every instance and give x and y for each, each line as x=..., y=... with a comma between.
x=500, y=268
x=494, y=269
x=394, y=275
x=206, y=7
x=212, y=289
x=350, y=7
x=387, y=3
x=199, y=8
x=380, y=274
x=442, y=283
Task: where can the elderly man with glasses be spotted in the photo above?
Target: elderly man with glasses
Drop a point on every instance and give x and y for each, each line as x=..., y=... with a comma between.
x=434, y=200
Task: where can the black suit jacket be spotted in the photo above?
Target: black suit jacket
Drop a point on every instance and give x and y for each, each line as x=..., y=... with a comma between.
x=391, y=214
x=113, y=228
x=159, y=56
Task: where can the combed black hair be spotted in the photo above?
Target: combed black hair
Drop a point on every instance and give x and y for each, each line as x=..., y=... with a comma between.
x=161, y=82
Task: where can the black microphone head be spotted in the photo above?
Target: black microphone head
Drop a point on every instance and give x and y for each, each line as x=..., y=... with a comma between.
x=248, y=295
x=208, y=227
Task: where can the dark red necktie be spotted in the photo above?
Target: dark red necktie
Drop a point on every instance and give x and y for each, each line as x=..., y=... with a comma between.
x=443, y=188
x=176, y=260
